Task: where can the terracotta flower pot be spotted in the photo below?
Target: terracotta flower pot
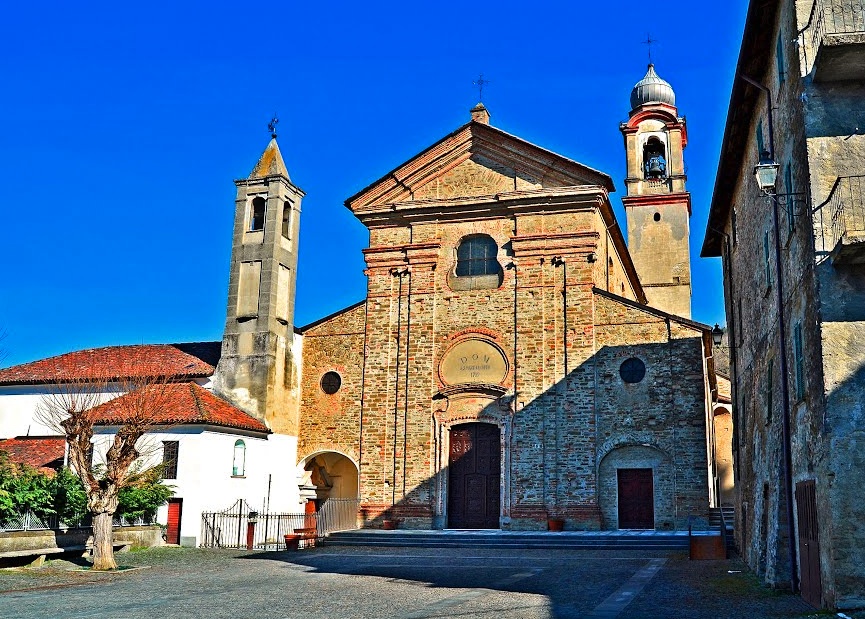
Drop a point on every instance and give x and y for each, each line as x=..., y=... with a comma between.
x=555, y=524
x=292, y=541
x=390, y=525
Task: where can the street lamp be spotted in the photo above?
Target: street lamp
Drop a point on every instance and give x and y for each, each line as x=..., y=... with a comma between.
x=717, y=335
x=766, y=173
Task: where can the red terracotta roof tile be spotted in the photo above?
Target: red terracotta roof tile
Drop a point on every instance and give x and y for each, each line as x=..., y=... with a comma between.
x=118, y=362
x=35, y=451
x=177, y=404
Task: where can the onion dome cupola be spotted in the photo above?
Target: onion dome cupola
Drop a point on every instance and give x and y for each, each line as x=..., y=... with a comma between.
x=652, y=89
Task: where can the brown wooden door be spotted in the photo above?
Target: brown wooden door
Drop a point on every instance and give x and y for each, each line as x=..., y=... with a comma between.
x=473, y=476
x=636, y=499
x=809, y=547
x=175, y=511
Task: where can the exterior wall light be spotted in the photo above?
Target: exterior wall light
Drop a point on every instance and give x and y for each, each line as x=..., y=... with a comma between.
x=766, y=173
x=717, y=335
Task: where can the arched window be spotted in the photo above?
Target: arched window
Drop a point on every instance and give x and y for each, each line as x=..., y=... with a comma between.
x=256, y=220
x=286, y=219
x=654, y=160
x=477, y=255
x=477, y=264
x=238, y=468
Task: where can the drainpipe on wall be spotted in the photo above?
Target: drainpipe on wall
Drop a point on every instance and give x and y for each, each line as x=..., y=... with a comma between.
x=782, y=357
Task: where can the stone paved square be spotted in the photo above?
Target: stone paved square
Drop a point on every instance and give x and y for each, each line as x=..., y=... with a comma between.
x=329, y=582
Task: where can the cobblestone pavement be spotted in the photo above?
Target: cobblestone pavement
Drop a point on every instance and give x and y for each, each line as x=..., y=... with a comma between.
x=404, y=583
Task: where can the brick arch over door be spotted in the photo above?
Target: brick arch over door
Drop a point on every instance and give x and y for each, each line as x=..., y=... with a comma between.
x=663, y=478
x=329, y=474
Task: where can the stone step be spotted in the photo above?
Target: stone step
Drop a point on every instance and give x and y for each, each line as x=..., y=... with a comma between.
x=510, y=539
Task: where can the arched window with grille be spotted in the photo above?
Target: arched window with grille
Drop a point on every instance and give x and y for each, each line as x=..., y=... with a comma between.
x=477, y=264
x=238, y=468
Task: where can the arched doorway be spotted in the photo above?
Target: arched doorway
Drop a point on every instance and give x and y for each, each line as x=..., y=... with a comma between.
x=332, y=475
x=474, y=470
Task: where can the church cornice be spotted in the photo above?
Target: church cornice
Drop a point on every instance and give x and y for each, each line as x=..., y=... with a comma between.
x=657, y=199
x=483, y=207
x=474, y=138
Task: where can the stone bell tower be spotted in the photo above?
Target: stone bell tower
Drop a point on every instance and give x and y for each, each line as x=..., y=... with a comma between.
x=258, y=371
x=657, y=205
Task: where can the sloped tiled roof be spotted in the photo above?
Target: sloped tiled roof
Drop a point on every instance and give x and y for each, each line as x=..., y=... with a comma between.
x=192, y=360
x=35, y=451
x=180, y=404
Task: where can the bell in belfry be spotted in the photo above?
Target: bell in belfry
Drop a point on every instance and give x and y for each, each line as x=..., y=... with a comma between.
x=656, y=167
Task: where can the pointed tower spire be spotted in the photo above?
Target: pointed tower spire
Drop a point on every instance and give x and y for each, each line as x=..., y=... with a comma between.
x=270, y=163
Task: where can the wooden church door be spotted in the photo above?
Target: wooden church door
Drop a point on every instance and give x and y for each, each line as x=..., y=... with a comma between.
x=474, y=469
x=636, y=499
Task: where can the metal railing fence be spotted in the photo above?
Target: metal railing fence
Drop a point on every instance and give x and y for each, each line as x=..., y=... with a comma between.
x=845, y=210
x=28, y=521
x=240, y=524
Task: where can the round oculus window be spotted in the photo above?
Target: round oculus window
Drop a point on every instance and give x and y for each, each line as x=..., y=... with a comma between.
x=331, y=382
x=632, y=370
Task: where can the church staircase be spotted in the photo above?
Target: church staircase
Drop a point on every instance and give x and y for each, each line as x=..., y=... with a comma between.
x=520, y=540
x=724, y=517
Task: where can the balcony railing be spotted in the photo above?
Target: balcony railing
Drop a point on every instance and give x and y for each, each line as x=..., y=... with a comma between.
x=845, y=210
x=828, y=22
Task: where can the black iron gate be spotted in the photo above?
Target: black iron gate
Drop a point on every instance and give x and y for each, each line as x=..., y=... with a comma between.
x=242, y=526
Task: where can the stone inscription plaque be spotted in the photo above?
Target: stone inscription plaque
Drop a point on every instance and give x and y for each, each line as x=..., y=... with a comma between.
x=473, y=361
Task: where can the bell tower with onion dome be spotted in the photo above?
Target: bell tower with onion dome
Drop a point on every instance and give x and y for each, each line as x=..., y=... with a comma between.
x=657, y=204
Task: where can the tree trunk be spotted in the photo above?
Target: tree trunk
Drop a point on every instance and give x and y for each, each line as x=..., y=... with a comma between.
x=103, y=542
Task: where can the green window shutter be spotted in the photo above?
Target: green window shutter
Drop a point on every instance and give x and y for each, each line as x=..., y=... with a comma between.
x=788, y=187
x=779, y=59
x=799, y=361
x=761, y=144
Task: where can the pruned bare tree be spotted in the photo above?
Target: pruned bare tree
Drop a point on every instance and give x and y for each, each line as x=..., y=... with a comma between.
x=122, y=398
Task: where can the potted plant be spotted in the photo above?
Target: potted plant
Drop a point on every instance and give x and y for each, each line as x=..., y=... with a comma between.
x=292, y=541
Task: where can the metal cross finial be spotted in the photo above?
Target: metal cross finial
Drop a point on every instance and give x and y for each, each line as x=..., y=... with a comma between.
x=272, y=126
x=648, y=43
x=480, y=83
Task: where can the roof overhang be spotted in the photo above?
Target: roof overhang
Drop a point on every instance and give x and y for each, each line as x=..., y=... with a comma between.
x=754, y=56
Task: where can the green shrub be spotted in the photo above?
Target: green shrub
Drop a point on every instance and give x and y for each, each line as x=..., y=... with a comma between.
x=70, y=500
x=24, y=488
x=144, y=495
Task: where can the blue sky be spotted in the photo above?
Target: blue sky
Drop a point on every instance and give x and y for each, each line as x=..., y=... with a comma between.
x=125, y=125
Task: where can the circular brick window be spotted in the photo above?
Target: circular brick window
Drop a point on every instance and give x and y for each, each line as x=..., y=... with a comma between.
x=632, y=370
x=331, y=382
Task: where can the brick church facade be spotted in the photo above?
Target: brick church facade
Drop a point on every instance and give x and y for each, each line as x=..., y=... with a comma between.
x=514, y=361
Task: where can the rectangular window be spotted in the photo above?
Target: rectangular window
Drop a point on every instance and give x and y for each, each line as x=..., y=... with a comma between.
x=761, y=143
x=766, y=258
x=733, y=228
x=169, y=459
x=770, y=386
x=788, y=188
x=779, y=59
x=799, y=361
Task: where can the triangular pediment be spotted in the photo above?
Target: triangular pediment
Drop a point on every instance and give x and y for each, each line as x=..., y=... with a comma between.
x=476, y=160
